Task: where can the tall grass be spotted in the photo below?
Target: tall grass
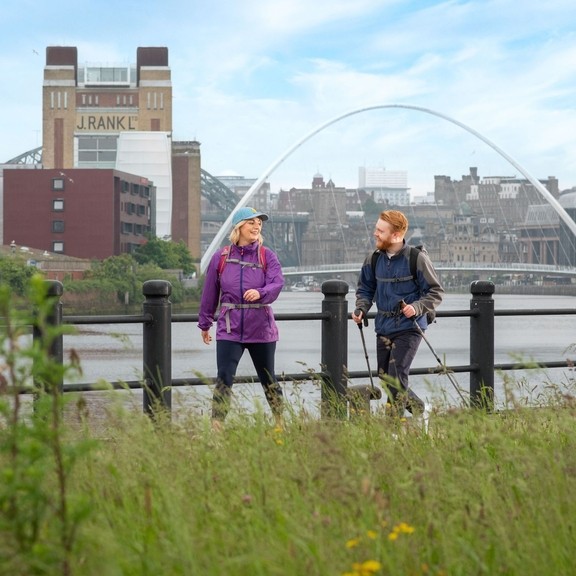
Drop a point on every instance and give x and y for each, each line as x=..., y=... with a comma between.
x=476, y=494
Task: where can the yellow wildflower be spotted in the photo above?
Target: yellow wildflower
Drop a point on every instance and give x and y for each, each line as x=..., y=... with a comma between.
x=353, y=542
x=367, y=568
x=370, y=567
x=405, y=528
x=401, y=528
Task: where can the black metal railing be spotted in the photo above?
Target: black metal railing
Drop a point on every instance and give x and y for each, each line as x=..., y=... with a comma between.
x=157, y=319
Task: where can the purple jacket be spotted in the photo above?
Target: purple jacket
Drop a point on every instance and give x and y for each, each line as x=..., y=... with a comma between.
x=238, y=320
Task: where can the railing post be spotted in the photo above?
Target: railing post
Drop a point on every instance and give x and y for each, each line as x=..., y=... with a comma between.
x=334, y=355
x=482, y=345
x=54, y=290
x=157, y=346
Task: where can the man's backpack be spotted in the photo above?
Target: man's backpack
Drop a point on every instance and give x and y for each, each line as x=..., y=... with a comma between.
x=414, y=252
x=226, y=251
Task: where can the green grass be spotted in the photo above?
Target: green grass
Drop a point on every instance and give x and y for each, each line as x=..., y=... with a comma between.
x=478, y=494
x=93, y=490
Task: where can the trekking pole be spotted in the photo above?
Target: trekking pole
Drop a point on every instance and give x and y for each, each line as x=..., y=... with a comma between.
x=442, y=365
x=365, y=321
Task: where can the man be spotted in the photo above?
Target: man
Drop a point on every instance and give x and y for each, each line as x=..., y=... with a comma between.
x=402, y=300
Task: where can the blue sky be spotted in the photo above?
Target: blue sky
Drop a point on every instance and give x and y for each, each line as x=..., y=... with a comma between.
x=251, y=78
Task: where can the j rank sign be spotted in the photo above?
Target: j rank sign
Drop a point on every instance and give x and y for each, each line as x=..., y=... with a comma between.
x=106, y=122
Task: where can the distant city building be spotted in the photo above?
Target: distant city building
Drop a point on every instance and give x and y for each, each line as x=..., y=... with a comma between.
x=504, y=198
x=507, y=212
x=240, y=185
x=325, y=201
x=186, y=195
x=385, y=186
x=539, y=235
x=237, y=186
x=334, y=233
x=567, y=255
x=427, y=198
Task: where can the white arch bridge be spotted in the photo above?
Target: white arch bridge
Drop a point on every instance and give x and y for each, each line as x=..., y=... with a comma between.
x=546, y=195
x=484, y=269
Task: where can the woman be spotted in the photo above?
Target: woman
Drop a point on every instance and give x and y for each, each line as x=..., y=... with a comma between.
x=244, y=278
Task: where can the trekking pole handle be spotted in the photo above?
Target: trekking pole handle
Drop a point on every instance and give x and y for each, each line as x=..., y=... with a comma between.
x=357, y=312
x=403, y=305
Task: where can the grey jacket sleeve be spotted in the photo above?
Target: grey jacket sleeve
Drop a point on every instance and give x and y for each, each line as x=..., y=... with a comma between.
x=431, y=290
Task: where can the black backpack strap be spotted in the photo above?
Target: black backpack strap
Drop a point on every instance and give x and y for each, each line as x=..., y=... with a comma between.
x=375, y=256
x=414, y=252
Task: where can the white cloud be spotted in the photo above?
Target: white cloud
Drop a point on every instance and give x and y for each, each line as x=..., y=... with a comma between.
x=252, y=78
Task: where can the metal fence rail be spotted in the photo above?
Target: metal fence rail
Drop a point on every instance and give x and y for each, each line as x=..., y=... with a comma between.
x=157, y=319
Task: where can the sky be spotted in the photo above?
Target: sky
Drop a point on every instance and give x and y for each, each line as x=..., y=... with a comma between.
x=414, y=82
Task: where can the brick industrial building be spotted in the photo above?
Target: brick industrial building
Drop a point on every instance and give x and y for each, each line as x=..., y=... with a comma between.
x=110, y=171
x=94, y=213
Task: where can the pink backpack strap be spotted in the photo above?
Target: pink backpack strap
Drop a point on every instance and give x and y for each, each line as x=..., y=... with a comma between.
x=223, y=258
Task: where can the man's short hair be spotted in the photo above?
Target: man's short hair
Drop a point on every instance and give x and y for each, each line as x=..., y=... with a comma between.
x=396, y=219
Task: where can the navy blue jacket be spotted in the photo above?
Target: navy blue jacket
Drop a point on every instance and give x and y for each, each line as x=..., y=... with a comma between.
x=393, y=282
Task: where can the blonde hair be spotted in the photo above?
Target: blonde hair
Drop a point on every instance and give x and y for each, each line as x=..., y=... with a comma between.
x=396, y=219
x=235, y=234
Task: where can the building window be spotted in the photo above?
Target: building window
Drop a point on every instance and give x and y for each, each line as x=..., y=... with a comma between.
x=58, y=226
x=97, y=151
x=58, y=205
x=106, y=75
x=57, y=183
x=58, y=246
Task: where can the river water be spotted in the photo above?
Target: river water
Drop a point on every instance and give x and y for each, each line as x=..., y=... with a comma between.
x=114, y=352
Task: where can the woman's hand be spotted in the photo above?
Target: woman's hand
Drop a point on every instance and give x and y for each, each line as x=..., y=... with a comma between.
x=251, y=295
x=206, y=336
